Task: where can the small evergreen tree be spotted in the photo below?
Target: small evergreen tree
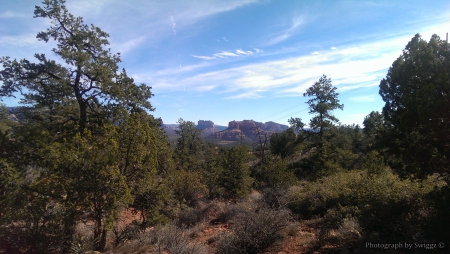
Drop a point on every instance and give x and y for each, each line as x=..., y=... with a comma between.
x=235, y=178
x=189, y=146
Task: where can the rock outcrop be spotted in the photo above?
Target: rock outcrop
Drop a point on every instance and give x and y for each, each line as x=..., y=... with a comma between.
x=229, y=135
x=247, y=129
x=274, y=127
x=206, y=126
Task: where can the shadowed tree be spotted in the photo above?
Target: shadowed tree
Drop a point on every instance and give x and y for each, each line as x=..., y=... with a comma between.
x=283, y=143
x=416, y=92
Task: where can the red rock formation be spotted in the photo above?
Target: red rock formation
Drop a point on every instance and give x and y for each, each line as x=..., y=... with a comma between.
x=247, y=129
x=206, y=126
x=233, y=125
x=230, y=135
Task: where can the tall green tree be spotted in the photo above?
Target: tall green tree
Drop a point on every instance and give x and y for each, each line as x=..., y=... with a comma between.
x=235, y=177
x=416, y=94
x=212, y=169
x=88, y=88
x=85, y=144
x=324, y=100
x=189, y=146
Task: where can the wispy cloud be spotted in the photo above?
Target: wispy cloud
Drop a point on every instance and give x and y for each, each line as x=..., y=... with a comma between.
x=173, y=25
x=349, y=67
x=153, y=20
x=204, y=57
x=227, y=54
x=241, y=52
x=127, y=46
x=246, y=95
x=11, y=14
x=24, y=40
x=285, y=34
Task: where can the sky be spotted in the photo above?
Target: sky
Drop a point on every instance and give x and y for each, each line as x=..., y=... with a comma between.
x=243, y=59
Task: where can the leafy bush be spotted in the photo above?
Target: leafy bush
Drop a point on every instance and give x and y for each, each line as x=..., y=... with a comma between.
x=384, y=205
x=273, y=172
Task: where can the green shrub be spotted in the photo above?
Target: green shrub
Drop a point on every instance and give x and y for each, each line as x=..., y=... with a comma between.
x=273, y=172
x=384, y=205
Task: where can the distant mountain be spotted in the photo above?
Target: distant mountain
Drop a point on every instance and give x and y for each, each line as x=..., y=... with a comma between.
x=245, y=130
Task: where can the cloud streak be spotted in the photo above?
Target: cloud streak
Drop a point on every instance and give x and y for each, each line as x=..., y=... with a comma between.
x=11, y=14
x=173, y=25
x=228, y=54
x=284, y=35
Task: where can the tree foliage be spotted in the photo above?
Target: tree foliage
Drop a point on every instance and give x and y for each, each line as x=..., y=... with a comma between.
x=87, y=88
x=235, y=178
x=416, y=94
x=189, y=146
x=85, y=146
x=283, y=144
x=324, y=100
x=317, y=139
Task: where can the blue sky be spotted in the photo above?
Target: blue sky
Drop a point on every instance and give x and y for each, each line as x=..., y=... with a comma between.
x=245, y=59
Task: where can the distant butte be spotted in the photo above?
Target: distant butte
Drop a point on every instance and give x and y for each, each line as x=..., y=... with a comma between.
x=247, y=129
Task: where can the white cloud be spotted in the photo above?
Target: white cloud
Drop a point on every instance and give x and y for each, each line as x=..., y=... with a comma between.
x=225, y=39
x=204, y=88
x=350, y=67
x=315, y=53
x=283, y=35
x=127, y=46
x=333, y=48
x=224, y=54
x=227, y=54
x=173, y=25
x=241, y=52
x=204, y=57
x=246, y=95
